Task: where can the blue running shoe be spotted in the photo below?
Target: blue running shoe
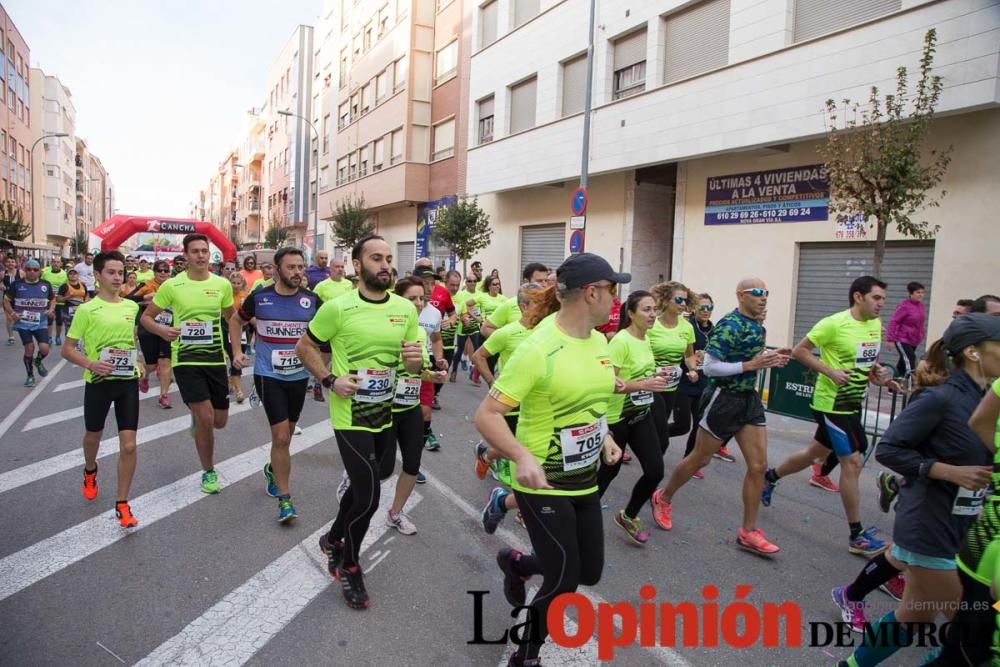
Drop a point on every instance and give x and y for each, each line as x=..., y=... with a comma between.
x=286, y=510
x=765, y=493
x=41, y=368
x=58, y=340
x=29, y=381
x=867, y=544
x=421, y=479
x=270, y=486
x=495, y=510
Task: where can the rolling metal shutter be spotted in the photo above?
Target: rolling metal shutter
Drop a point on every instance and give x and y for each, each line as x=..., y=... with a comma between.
x=827, y=269
x=697, y=40
x=488, y=23
x=574, y=85
x=543, y=243
x=522, y=105
x=524, y=11
x=820, y=17
x=404, y=257
x=630, y=49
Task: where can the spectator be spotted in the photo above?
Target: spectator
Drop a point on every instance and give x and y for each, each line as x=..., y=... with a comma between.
x=906, y=328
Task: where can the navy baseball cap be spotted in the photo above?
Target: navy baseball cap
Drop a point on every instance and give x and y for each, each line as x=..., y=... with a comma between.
x=585, y=269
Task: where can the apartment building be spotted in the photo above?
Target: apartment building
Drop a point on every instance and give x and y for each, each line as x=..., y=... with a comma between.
x=691, y=98
x=90, y=189
x=58, y=186
x=392, y=132
x=247, y=228
x=18, y=130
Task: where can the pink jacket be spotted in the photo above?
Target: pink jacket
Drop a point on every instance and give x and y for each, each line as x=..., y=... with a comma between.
x=907, y=323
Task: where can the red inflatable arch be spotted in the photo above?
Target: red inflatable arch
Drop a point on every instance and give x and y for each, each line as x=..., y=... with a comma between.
x=114, y=231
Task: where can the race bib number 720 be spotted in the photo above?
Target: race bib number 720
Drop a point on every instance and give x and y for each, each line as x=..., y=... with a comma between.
x=196, y=333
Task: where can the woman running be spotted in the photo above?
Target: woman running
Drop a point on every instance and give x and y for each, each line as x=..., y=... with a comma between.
x=155, y=350
x=629, y=413
x=672, y=339
x=240, y=293
x=946, y=468
x=562, y=379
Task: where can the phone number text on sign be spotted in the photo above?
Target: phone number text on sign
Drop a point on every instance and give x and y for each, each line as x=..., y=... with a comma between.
x=794, y=194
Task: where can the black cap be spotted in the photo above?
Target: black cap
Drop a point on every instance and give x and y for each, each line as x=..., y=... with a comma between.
x=477, y=263
x=587, y=268
x=971, y=329
x=424, y=272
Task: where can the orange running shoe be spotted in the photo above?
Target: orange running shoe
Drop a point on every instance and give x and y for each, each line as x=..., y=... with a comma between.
x=124, y=514
x=661, y=511
x=89, y=487
x=754, y=540
x=482, y=463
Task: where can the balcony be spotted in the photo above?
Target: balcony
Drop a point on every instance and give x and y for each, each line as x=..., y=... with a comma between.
x=256, y=152
x=79, y=162
x=253, y=207
x=385, y=186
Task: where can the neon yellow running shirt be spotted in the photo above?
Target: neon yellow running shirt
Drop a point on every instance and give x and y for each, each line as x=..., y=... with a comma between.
x=328, y=290
x=197, y=306
x=669, y=346
x=634, y=359
x=108, y=333
x=847, y=344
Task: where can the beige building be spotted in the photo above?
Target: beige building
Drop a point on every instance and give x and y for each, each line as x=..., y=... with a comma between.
x=57, y=189
x=18, y=128
x=92, y=184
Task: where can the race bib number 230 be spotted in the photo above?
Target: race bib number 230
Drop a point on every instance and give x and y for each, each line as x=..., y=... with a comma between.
x=375, y=385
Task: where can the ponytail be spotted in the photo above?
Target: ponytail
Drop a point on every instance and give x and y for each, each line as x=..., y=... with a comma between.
x=936, y=367
x=628, y=307
x=541, y=304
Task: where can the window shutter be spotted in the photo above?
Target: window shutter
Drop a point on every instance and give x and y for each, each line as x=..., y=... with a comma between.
x=574, y=85
x=524, y=11
x=486, y=107
x=522, y=105
x=697, y=40
x=630, y=49
x=488, y=24
x=819, y=17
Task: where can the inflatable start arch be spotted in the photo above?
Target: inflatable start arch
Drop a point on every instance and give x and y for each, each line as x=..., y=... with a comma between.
x=114, y=231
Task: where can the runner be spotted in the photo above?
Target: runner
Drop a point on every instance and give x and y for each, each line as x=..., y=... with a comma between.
x=106, y=325
x=70, y=296
x=251, y=274
x=672, y=340
x=371, y=331
x=629, y=415
x=282, y=312
x=732, y=407
x=438, y=296
x=56, y=277
x=155, y=350
x=489, y=300
x=144, y=272
x=179, y=265
x=199, y=301
x=947, y=470
x=85, y=269
x=449, y=326
x=319, y=271
x=906, y=328
x=267, y=269
x=330, y=288
x=232, y=346
x=563, y=379
x=30, y=303
x=430, y=320
x=850, y=342
x=509, y=311
x=468, y=326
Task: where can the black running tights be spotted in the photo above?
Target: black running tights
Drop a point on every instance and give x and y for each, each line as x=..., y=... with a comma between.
x=641, y=437
x=361, y=452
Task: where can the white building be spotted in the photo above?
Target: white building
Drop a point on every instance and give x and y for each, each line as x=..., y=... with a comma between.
x=687, y=92
x=54, y=159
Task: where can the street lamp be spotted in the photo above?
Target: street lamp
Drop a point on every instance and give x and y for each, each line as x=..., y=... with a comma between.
x=316, y=207
x=31, y=161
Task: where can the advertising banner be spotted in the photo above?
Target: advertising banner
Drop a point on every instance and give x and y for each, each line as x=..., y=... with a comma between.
x=793, y=194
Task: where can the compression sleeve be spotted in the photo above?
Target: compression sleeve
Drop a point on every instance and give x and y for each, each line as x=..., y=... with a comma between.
x=715, y=368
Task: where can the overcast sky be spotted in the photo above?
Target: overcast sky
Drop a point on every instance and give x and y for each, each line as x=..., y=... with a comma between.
x=161, y=88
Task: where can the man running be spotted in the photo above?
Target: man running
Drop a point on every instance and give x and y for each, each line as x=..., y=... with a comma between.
x=732, y=407
x=370, y=331
x=282, y=312
x=849, y=342
x=106, y=324
x=199, y=301
x=439, y=297
x=509, y=311
x=56, y=277
x=10, y=276
x=145, y=271
x=85, y=270
x=449, y=326
x=30, y=303
x=430, y=320
x=319, y=271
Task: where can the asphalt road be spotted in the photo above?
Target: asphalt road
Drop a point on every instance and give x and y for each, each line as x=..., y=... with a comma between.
x=216, y=580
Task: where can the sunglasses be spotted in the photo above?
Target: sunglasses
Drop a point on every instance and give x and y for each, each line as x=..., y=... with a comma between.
x=612, y=288
x=681, y=301
x=756, y=291
x=163, y=270
x=707, y=308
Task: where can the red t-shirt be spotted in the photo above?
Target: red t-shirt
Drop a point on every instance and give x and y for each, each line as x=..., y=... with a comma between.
x=616, y=314
x=441, y=299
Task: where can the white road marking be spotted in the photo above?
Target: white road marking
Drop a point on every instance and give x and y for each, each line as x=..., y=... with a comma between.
x=74, y=413
x=241, y=623
x=49, y=556
x=72, y=459
x=16, y=413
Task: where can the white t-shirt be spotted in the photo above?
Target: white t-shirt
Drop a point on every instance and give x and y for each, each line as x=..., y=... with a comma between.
x=430, y=320
x=86, y=273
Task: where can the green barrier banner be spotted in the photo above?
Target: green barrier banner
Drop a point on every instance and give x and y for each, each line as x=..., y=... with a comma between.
x=790, y=390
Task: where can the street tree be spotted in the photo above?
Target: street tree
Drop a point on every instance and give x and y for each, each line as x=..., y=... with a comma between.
x=350, y=221
x=276, y=236
x=878, y=166
x=12, y=225
x=80, y=242
x=463, y=227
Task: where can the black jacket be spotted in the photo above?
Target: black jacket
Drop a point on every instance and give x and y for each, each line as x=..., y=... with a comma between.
x=934, y=428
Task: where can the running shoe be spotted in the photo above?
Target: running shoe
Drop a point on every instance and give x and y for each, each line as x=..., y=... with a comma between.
x=345, y=484
x=754, y=540
x=29, y=381
x=124, y=514
x=89, y=487
x=867, y=544
x=495, y=510
x=698, y=474
x=888, y=489
x=334, y=553
x=482, y=463
x=164, y=402
x=40, y=366
x=297, y=430
x=318, y=393
x=435, y=405
x=400, y=522
x=513, y=583
x=58, y=340
x=431, y=443
x=465, y=365
x=894, y=587
x=144, y=384
x=852, y=612
x=286, y=510
x=210, y=482
x=353, y=583
x=822, y=481
x=724, y=455
x=632, y=528
x=474, y=376
x=453, y=377
x=626, y=457
x=270, y=486
x=765, y=493
x=661, y=511
x=421, y=479
x=10, y=341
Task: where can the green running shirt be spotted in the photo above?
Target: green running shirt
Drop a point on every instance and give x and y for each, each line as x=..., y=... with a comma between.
x=563, y=386
x=488, y=304
x=197, y=306
x=847, y=344
x=634, y=359
x=505, y=313
x=107, y=328
x=328, y=290
x=407, y=394
x=979, y=555
x=669, y=347
x=736, y=338
x=461, y=300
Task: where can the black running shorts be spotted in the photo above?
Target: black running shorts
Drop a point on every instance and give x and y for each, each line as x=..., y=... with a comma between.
x=153, y=348
x=98, y=398
x=282, y=399
x=203, y=383
x=724, y=413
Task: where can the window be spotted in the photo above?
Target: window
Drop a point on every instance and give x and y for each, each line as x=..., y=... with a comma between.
x=381, y=86
x=356, y=42
x=444, y=140
x=522, y=105
x=400, y=73
x=447, y=62
x=343, y=67
x=574, y=85
x=488, y=23
x=366, y=97
x=630, y=65
x=355, y=102
x=326, y=134
x=344, y=115
x=324, y=177
x=816, y=17
x=368, y=36
x=365, y=153
x=485, y=115
x=379, y=154
x=524, y=11
x=697, y=40
x=397, y=146
x=383, y=20
x=341, y=171
x=353, y=168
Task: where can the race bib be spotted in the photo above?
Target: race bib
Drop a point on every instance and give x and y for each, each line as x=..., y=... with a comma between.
x=476, y=313
x=71, y=311
x=375, y=384
x=407, y=391
x=285, y=362
x=196, y=333
x=123, y=361
x=968, y=503
x=581, y=445
x=641, y=398
x=866, y=354
x=31, y=317
x=673, y=375
x=165, y=317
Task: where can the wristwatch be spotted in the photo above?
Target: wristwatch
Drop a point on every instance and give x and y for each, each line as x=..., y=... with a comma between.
x=328, y=380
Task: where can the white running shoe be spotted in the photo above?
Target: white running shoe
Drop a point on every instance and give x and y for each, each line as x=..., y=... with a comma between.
x=400, y=522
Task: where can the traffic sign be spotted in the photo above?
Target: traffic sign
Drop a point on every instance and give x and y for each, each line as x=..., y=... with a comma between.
x=579, y=203
x=578, y=222
x=576, y=242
